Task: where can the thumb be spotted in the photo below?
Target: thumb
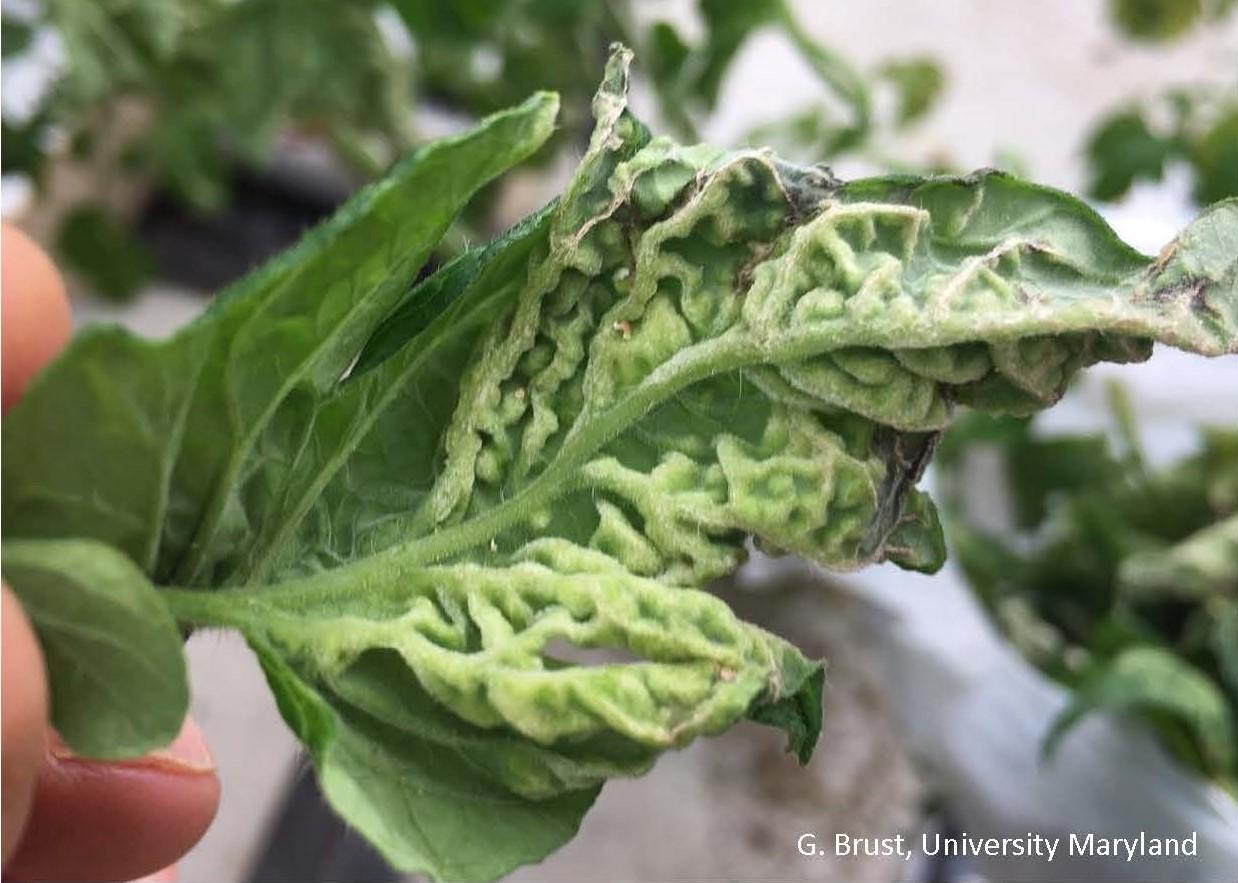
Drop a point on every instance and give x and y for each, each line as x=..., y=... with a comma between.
x=117, y=820
x=23, y=720
x=36, y=312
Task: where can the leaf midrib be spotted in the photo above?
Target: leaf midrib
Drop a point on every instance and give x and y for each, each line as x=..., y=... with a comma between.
x=741, y=347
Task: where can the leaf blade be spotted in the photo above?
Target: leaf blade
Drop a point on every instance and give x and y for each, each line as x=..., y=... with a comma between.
x=1151, y=681
x=113, y=652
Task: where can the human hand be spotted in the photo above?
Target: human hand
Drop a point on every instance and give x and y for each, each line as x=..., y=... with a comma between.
x=64, y=817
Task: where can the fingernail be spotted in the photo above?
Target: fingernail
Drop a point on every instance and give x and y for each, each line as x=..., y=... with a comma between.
x=186, y=753
x=167, y=875
x=188, y=750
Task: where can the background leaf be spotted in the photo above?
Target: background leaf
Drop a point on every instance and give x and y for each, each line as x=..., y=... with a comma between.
x=1097, y=555
x=103, y=253
x=918, y=81
x=1123, y=151
x=1204, y=564
x=1215, y=159
x=1155, y=19
x=1186, y=706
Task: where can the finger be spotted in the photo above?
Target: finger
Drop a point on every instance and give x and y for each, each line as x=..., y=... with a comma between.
x=117, y=821
x=34, y=309
x=23, y=719
x=167, y=875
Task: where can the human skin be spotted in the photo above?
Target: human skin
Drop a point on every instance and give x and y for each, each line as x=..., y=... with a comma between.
x=65, y=817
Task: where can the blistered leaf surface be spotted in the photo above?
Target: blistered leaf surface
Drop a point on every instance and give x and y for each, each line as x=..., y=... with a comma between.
x=466, y=526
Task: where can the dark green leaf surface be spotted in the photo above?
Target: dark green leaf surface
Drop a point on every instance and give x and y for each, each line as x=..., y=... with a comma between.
x=1202, y=565
x=94, y=245
x=112, y=649
x=194, y=416
x=1115, y=578
x=421, y=504
x=1197, y=130
x=15, y=36
x=1155, y=20
x=1186, y=705
x=1123, y=151
x=1214, y=157
x=405, y=774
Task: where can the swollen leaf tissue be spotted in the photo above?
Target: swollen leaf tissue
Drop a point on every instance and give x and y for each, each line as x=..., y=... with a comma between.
x=423, y=503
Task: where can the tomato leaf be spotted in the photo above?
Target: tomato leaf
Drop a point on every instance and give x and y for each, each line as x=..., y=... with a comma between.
x=430, y=507
x=111, y=647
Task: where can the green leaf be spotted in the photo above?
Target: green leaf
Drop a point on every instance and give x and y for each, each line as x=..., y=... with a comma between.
x=15, y=36
x=1214, y=157
x=727, y=28
x=1155, y=20
x=413, y=792
x=210, y=74
x=988, y=562
x=112, y=45
x=490, y=659
x=97, y=246
x=430, y=298
x=1204, y=564
x=426, y=506
x=918, y=82
x=1171, y=694
x=1122, y=151
x=1225, y=646
x=21, y=147
x=435, y=705
x=314, y=60
x=438, y=20
x=1042, y=468
x=668, y=53
x=1106, y=553
x=1202, y=264
x=193, y=416
x=112, y=649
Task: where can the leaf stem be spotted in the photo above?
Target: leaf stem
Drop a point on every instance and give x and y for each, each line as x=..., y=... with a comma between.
x=689, y=366
x=205, y=607
x=835, y=71
x=234, y=607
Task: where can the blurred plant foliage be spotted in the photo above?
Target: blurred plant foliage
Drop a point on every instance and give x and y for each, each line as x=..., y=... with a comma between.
x=848, y=119
x=220, y=80
x=1195, y=127
x=217, y=82
x=188, y=87
x=1117, y=579
x=1161, y=20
